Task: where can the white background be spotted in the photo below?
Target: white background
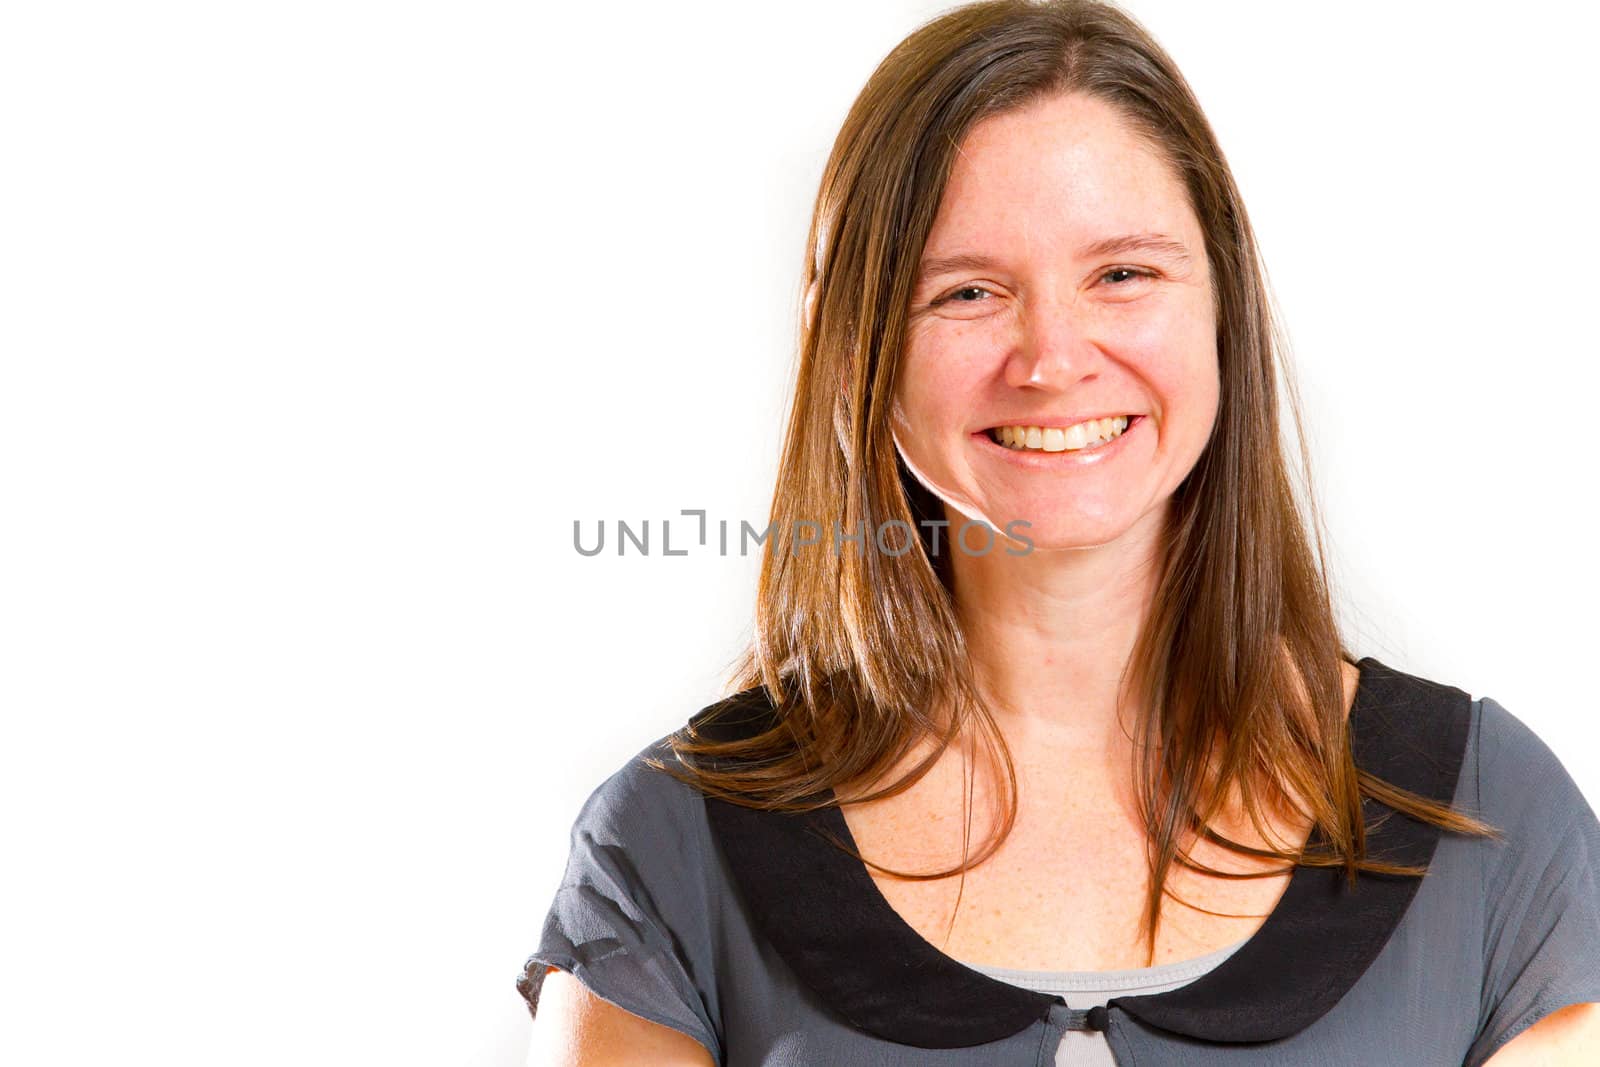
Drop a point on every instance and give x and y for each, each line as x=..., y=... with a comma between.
x=324, y=321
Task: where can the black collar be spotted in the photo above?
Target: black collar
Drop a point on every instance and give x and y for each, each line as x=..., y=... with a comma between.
x=822, y=911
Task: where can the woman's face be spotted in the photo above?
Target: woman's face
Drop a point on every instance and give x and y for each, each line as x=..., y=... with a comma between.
x=1065, y=279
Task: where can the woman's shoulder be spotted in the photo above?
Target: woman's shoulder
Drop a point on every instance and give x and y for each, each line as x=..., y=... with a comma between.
x=1510, y=750
x=639, y=800
x=646, y=795
x=1417, y=730
x=1523, y=787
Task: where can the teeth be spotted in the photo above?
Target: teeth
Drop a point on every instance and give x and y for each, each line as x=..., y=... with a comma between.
x=1083, y=435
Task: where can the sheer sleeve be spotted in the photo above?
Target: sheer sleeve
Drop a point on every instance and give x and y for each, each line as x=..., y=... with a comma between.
x=1542, y=885
x=630, y=919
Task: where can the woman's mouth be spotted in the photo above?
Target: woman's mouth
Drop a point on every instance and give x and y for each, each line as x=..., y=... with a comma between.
x=1080, y=437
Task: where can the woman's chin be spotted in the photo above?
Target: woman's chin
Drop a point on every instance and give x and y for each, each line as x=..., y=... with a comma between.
x=1022, y=527
x=1063, y=535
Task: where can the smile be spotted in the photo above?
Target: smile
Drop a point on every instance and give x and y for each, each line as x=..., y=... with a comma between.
x=1080, y=437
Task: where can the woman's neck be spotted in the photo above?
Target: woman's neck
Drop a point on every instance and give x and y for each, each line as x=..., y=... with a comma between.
x=1049, y=634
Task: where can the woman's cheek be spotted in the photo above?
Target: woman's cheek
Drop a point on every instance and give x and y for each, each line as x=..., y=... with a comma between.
x=936, y=367
x=978, y=355
x=1174, y=350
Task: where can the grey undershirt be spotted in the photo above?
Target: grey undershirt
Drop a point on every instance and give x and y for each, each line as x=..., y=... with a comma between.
x=1087, y=989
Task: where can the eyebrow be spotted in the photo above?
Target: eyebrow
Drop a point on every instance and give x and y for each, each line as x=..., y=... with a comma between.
x=1155, y=243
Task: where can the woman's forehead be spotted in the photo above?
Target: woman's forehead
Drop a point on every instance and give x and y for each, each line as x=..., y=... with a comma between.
x=1065, y=165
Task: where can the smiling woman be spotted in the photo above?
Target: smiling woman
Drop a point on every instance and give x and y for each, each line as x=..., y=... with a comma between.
x=1038, y=341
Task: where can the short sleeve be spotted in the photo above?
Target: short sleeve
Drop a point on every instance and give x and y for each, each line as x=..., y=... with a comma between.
x=1542, y=884
x=631, y=918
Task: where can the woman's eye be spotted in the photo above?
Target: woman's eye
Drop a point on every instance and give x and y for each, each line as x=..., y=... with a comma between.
x=960, y=296
x=1121, y=275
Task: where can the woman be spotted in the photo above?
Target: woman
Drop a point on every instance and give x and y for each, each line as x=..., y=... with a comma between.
x=1036, y=428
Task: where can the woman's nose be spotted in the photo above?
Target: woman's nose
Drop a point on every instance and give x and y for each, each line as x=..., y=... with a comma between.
x=1054, y=348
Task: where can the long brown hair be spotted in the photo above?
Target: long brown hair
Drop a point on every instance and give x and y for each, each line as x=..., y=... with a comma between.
x=1240, y=657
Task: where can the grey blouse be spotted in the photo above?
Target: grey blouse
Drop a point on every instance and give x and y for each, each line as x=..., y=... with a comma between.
x=754, y=935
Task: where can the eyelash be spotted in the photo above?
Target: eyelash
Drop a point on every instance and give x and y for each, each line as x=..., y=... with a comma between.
x=950, y=296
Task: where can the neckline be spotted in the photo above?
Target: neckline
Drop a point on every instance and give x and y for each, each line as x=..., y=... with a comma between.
x=1160, y=972
x=829, y=921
